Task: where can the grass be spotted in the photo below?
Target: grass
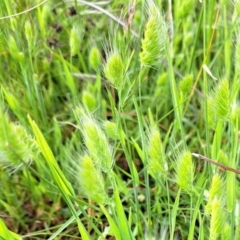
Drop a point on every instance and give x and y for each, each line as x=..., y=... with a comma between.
x=110, y=113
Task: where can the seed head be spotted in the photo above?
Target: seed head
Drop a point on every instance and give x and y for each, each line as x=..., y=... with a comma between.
x=155, y=37
x=185, y=171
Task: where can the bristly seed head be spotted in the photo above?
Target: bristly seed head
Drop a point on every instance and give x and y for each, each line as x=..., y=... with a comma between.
x=114, y=70
x=97, y=144
x=155, y=37
x=216, y=190
x=185, y=171
x=157, y=164
x=17, y=147
x=222, y=100
x=91, y=181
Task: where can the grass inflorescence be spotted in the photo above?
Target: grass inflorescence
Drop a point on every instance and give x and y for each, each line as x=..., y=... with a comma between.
x=119, y=121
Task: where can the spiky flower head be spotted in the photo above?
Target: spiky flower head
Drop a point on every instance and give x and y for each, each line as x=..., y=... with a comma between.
x=17, y=147
x=217, y=219
x=185, y=7
x=29, y=33
x=113, y=131
x=185, y=171
x=75, y=40
x=216, y=190
x=236, y=4
x=114, y=70
x=211, y=116
x=186, y=84
x=95, y=58
x=155, y=37
x=91, y=181
x=97, y=144
x=226, y=232
x=89, y=101
x=222, y=100
x=157, y=164
x=14, y=50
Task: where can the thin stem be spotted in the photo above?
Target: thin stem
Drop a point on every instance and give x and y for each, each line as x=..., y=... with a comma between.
x=175, y=95
x=225, y=167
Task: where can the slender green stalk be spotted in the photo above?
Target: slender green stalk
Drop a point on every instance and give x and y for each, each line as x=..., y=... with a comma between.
x=175, y=96
x=143, y=140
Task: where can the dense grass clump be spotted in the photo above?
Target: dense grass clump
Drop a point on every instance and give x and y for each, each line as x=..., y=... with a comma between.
x=119, y=119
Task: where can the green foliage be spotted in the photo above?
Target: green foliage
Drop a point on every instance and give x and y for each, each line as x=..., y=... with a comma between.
x=7, y=234
x=119, y=97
